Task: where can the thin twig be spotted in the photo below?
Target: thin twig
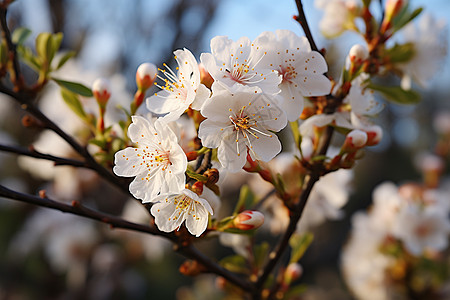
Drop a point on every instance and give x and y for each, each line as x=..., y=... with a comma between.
x=26, y=104
x=78, y=209
x=301, y=19
x=17, y=78
x=116, y=222
x=59, y=161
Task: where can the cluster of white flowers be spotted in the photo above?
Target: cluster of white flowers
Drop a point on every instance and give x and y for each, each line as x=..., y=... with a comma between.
x=415, y=217
x=258, y=86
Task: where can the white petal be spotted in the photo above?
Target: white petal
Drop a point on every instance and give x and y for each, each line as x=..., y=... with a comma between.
x=128, y=163
x=266, y=147
x=167, y=219
x=147, y=190
x=197, y=221
x=228, y=155
x=202, y=93
x=211, y=133
x=141, y=130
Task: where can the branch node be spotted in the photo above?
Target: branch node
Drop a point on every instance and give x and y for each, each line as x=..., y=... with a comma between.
x=43, y=194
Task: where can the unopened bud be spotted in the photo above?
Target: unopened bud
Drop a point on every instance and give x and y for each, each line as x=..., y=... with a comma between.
x=197, y=187
x=374, y=135
x=393, y=7
x=356, y=139
x=205, y=77
x=145, y=75
x=292, y=272
x=391, y=10
x=102, y=91
x=358, y=53
x=192, y=155
x=248, y=220
x=213, y=175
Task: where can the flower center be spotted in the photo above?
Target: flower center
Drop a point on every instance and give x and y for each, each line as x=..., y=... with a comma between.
x=288, y=73
x=182, y=202
x=173, y=83
x=246, y=125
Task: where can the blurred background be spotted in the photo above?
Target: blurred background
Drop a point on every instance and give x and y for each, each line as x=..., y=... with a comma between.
x=50, y=255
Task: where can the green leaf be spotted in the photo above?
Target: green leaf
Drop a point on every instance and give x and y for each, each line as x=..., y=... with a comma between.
x=235, y=263
x=20, y=35
x=296, y=291
x=246, y=199
x=404, y=17
x=401, y=53
x=55, y=43
x=28, y=57
x=260, y=253
x=3, y=53
x=65, y=58
x=299, y=244
x=98, y=142
x=196, y=176
x=72, y=101
x=74, y=87
x=43, y=43
x=396, y=94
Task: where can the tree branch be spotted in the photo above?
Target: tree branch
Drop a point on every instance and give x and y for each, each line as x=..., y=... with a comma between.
x=78, y=209
x=301, y=19
x=59, y=161
x=24, y=99
x=17, y=78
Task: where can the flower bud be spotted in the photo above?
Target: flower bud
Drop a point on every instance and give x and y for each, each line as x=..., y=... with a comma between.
x=102, y=91
x=358, y=53
x=292, y=272
x=197, y=187
x=213, y=175
x=248, y=220
x=145, y=75
x=374, y=135
x=391, y=10
x=205, y=77
x=355, y=140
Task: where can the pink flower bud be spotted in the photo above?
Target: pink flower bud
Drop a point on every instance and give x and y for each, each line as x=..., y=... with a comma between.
x=292, y=272
x=248, y=220
x=358, y=53
x=374, y=135
x=102, y=91
x=146, y=75
x=355, y=139
x=205, y=77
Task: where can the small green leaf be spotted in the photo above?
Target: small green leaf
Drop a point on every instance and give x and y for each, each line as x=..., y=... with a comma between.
x=74, y=87
x=404, y=17
x=28, y=57
x=3, y=53
x=246, y=199
x=396, y=94
x=98, y=142
x=65, y=58
x=295, y=291
x=299, y=244
x=43, y=42
x=53, y=47
x=72, y=101
x=196, y=176
x=260, y=253
x=20, y=35
x=401, y=53
x=235, y=263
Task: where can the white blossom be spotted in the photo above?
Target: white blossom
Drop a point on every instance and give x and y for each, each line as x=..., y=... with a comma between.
x=338, y=16
x=421, y=228
x=429, y=38
x=232, y=63
x=240, y=119
x=171, y=210
x=300, y=68
x=180, y=90
x=157, y=161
